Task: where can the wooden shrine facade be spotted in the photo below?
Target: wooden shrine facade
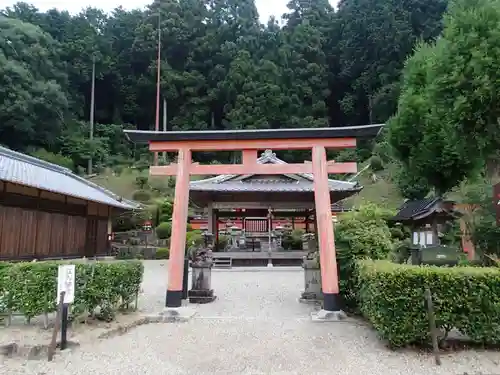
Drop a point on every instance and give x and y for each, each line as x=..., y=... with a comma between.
x=259, y=203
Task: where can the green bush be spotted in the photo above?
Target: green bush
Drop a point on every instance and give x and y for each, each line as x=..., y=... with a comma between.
x=194, y=238
x=376, y=163
x=143, y=196
x=360, y=234
x=293, y=240
x=164, y=230
x=30, y=288
x=50, y=157
x=391, y=297
x=162, y=253
x=222, y=243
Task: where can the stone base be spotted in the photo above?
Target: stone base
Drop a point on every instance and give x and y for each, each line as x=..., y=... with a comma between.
x=201, y=296
x=311, y=298
x=172, y=315
x=310, y=301
x=328, y=316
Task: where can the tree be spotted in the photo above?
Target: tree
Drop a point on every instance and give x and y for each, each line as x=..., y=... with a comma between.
x=220, y=69
x=447, y=118
x=33, y=100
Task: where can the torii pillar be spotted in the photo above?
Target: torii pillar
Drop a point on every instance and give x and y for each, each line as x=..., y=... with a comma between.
x=249, y=142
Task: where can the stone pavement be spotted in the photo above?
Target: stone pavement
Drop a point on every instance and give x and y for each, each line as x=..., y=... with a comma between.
x=256, y=326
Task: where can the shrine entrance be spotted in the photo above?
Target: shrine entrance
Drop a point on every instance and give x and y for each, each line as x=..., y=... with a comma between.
x=317, y=140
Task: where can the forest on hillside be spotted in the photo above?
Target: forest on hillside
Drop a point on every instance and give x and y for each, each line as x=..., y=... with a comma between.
x=221, y=68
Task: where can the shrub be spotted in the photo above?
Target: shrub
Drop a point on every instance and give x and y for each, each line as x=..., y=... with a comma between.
x=31, y=288
x=360, y=234
x=222, y=243
x=376, y=163
x=143, y=196
x=50, y=157
x=141, y=182
x=391, y=296
x=194, y=238
x=162, y=253
x=164, y=231
x=401, y=251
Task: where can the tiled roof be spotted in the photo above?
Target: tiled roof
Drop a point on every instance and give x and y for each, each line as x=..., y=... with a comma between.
x=410, y=209
x=301, y=182
x=265, y=186
x=29, y=171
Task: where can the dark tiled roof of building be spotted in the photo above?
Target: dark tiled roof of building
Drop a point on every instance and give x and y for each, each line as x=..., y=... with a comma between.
x=29, y=171
x=411, y=209
x=302, y=182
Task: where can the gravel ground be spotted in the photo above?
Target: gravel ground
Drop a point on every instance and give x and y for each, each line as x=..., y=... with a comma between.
x=256, y=326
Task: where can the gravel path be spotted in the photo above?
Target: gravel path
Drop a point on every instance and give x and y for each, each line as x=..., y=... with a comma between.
x=256, y=326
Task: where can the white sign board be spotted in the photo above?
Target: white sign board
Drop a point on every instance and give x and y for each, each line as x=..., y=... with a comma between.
x=66, y=282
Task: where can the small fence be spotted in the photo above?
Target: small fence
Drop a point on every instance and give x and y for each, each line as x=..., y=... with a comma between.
x=139, y=238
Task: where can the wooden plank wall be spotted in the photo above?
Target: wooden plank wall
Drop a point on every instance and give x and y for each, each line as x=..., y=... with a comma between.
x=27, y=233
x=55, y=235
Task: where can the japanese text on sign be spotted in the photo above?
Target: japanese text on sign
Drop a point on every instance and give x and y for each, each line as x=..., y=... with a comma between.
x=66, y=282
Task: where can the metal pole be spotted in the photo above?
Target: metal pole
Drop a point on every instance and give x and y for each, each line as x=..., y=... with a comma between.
x=164, y=124
x=185, y=278
x=64, y=326
x=92, y=108
x=158, y=63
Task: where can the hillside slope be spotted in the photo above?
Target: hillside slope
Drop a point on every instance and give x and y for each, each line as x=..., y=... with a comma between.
x=377, y=188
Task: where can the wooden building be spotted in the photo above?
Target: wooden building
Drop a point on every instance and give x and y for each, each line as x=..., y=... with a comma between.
x=46, y=211
x=200, y=221
x=426, y=218
x=257, y=204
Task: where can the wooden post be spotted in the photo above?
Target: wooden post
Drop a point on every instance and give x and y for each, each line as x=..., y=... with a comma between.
x=53, y=341
x=325, y=235
x=179, y=224
x=432, y=326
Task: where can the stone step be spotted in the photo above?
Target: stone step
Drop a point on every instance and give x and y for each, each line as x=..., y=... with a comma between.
x=223, y=262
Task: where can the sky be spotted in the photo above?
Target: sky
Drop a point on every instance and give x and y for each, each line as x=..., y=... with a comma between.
x=266, y=7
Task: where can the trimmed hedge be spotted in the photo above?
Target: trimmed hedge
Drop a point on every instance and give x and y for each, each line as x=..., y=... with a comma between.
x=162, y=253
x=30, y=288
x=141, y=252
x=392, y=298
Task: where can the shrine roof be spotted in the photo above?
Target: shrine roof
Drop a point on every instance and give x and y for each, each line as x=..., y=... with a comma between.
x=300, y=182
x=421, y=209
x=362, y=131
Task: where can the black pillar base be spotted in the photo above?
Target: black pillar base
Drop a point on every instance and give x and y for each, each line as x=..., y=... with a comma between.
x=332, y=302
x=173, y=298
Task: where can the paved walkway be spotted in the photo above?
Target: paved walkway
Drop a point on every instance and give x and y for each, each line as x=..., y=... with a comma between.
x=256, y=326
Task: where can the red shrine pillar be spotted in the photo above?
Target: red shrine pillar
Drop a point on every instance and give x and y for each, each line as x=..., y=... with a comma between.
x=179, y=224
x=325, y=235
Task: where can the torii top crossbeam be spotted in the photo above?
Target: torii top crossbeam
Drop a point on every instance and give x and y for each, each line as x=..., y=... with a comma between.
x=249, y=142
x=203, y=140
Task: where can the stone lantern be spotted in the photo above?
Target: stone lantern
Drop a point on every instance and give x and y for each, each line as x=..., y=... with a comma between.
x=280, y=231
x=201, y=281
x=312, y=271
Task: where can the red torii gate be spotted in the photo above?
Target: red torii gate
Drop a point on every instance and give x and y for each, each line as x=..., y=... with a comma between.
x=249, y=142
